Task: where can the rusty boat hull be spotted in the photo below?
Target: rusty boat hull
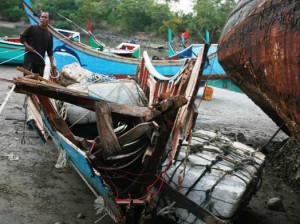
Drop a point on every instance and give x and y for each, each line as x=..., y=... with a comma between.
x=259, y=49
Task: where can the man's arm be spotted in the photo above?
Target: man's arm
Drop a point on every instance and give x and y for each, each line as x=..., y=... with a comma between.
x=28, y=48
x=24, y=39
x=53, y=66
x=50, y=52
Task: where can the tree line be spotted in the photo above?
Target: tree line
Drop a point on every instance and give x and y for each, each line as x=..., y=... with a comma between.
x=128, y=16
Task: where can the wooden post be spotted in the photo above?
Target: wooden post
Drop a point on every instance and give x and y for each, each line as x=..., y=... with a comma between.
x=108, y=139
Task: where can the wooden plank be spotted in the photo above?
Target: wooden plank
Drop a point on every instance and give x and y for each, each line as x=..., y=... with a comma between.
x=56, y=121
x=34, y=112
x=35, y=76
x=189, y=205
x=108, y=139
x=136, y=132
x=24, y=85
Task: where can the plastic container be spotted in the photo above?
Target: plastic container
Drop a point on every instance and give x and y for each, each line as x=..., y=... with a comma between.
x=208, y=93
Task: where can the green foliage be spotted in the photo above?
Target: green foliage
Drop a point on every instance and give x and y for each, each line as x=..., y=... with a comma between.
x=6, y=4
x=98, y=12
x=175, y=23
x=131, y=15
x=13, y=14
x=11, y=10
x=212, y=15
x=128, y=16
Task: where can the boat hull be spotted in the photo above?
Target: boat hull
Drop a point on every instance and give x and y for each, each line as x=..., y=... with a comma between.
x=259, y=49
x=82, y=166
x=11, y=52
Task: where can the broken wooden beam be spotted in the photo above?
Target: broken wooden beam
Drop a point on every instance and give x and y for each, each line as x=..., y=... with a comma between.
x=108, y=139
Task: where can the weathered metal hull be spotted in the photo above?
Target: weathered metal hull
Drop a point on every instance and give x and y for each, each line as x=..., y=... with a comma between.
x=259, y=49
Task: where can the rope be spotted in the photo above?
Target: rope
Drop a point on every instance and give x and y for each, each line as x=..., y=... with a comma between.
x=21, y=56
x=264, y=148
x=12, y=58
x=208, y=169
x=101, y=218
x=79, y=119
x=40, y=56
x=54, y=74
x=6, y=98
x=25, y=119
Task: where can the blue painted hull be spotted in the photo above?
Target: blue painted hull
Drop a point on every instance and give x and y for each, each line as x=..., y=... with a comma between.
x=79, y=160
x=213, y=67
x=11, y=53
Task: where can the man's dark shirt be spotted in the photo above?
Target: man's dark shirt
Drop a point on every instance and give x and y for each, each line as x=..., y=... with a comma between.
x=41, y=40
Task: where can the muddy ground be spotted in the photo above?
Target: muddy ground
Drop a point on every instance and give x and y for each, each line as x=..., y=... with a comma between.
x=32, y=190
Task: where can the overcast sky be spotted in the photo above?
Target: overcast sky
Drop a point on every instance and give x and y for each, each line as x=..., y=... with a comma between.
x=183, y=5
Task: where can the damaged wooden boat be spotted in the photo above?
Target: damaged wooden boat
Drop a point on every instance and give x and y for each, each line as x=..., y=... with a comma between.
x=141, y=145
x=259, y=49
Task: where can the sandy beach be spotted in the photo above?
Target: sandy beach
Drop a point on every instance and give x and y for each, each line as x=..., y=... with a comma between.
x=32, y=190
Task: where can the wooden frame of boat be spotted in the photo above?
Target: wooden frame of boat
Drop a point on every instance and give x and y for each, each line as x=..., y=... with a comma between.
x=170, y=110
x=126, y=159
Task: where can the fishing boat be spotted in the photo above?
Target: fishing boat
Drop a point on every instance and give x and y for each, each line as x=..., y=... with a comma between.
x=212, y=67
x=259, y=49
x=217, y=75
x=131, y=50
x=132, y=156
x=125, y=50
x=11, y=51
x=67, y=51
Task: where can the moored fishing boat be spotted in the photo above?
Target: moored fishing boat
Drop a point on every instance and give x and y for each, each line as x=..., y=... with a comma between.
x=67, y=51
x=259, y=49
x=212, y=67
x=11, y=51
x=217, y=76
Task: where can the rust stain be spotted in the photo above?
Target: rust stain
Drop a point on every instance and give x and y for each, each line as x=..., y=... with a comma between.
x=263, y=59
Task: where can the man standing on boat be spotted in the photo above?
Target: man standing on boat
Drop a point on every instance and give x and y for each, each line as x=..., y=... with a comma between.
x=38, y=40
